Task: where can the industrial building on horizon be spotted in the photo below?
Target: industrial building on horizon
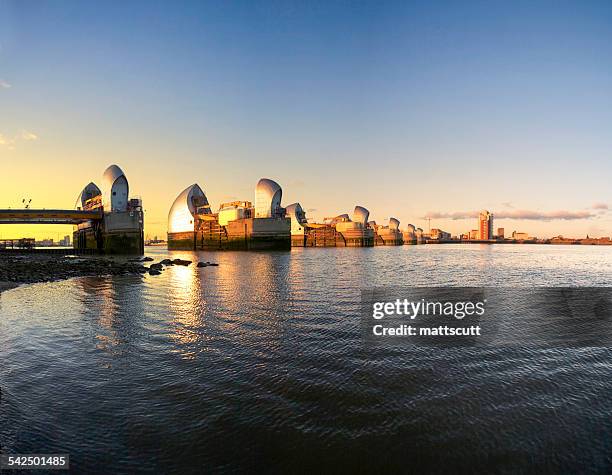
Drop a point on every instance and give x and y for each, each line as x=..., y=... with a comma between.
x=485, y=225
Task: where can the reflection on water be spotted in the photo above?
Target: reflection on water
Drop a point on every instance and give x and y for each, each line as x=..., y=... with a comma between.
x=259, y=361
x=188, y=307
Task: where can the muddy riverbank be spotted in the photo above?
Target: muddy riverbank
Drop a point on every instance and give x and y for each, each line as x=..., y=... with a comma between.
x=27, y=269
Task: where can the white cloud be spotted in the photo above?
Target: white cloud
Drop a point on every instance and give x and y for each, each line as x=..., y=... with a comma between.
x=25, y=135
x=516, y=214
x=4, y=84
x=9, y=143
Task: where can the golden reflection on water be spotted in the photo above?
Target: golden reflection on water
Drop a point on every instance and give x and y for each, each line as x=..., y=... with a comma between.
x=295, y=277
x=247, y=290
x=256, y=297
x=187, y=303
x=99, y=303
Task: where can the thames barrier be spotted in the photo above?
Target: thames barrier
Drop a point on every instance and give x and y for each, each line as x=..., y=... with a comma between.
x=106, y=219
x=268, y=225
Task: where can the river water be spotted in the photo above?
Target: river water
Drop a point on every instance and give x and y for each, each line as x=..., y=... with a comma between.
x=259, y=363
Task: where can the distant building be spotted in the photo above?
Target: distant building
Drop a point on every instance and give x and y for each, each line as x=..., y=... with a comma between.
x=500, y=233
x=594, y=241
x=473, y=234
x=485, y=225
x=520, y=236
x=438, y=234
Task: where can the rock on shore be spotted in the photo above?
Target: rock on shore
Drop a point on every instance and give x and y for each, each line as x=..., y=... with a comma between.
x=31, y=268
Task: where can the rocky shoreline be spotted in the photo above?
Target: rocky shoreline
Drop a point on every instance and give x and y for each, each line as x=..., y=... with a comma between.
x=32, y=268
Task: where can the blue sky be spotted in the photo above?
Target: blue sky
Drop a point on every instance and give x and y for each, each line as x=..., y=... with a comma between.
x=407, y=108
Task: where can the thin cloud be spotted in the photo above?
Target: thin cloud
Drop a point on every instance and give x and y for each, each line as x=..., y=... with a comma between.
x=454, y=216
x=544, y=215
x=6, y=142
x=603, y=206
x=25, y=135
x=4, y=84
x=517, y=214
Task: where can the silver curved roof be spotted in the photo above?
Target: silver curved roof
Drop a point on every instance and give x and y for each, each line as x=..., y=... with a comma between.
x=181, y=217
x=115, y=189
x=339, y=218
x=294, y=208
x=89, y=192
x=410, y=228
x=295, y=211
x=361, y=215
x=394, y=223
x=111, y=175
x=268, y=195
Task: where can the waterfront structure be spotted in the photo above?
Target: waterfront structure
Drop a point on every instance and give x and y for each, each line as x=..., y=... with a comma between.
x=439, y=235
x=419, y=235
x=409, y=234
x=297, y=215
x=337, y=219
x=500, y=233
x=337, y=231
x=485, y=225
x=187, y=206
x=121, y=227
x=520, y=236
x=237, y=225
x=90, y=197
x=388, y=235
x=559, y=240
x=115, y=190
x=602, y=241
x=233, y=211
x=356, y=232
x=268, y=195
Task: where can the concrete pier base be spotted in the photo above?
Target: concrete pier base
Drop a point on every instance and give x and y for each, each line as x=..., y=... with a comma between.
x=241, y=234
x=117, y=233
x=388, y=237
